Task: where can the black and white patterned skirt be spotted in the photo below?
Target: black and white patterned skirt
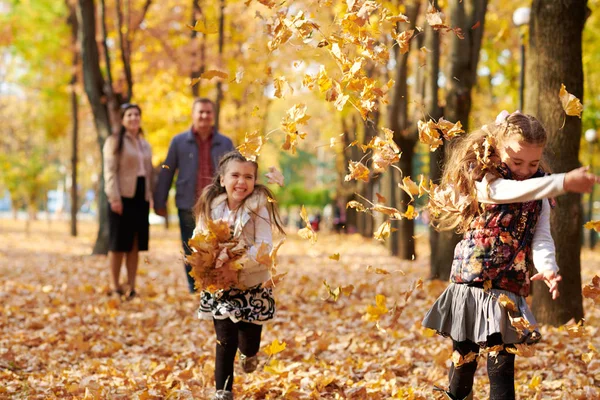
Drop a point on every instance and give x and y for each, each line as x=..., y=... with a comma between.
x=255, y=305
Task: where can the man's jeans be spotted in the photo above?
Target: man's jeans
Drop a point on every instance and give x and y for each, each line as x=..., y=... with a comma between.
x=187, y=223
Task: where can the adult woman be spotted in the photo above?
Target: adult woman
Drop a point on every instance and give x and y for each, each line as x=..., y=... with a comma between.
x=128, y=186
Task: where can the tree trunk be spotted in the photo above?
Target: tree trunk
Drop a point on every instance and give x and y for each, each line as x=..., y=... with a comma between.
x=72, y=20
x=402, y=243
x=219, y=98
x=554, y=56
x=431, y=95
x=197, y=67
x=462, y=77
x=94, y=87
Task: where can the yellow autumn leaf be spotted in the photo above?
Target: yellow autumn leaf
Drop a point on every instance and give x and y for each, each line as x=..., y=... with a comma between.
x=308, y=234
x=253, y=142
x=535, y=382
x=595, y=225
x=409, y=187
x=521, y=350
x=392, y=212
x=507, y=303
x=375, y=312
x=429, y=134
x=274, y=367
x=323, y=81
x=384, y=231
x=202, y=27
x=304, y=215
x=571, y=104
x=592, y=290
x=403, y=40
x=282, y=87
x=212, y=73
x=410, y=212
x=358, y=171
x=333, y=293
x=335, y=256
x=434, y=17
x=356, y=205
x=458, y=359
x=275, y=347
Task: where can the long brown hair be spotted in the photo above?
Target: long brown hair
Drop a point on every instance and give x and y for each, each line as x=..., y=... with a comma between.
x=472, y=156
x=202, y=209
x=123, y=109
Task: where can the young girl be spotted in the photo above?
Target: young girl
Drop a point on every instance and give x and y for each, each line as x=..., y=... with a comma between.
x=238, y=313
x=506, y=231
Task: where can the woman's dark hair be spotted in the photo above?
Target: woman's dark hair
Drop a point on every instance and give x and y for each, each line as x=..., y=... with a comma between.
x=123, y=109
x=214, y=189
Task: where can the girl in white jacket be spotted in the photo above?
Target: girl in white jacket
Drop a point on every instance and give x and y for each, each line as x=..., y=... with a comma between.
x=239, y=312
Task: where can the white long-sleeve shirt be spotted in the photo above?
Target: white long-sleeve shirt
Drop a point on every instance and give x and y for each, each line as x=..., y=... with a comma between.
x=506, y=191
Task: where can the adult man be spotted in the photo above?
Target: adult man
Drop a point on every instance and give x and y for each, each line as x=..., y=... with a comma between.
x=195, y=154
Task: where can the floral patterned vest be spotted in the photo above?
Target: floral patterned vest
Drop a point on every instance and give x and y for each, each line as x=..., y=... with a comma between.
x=497, y=246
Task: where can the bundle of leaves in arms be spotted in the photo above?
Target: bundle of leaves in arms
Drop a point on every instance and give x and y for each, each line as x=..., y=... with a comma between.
x=216, y=258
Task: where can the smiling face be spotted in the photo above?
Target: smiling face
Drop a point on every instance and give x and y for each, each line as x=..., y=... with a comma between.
x=522, y=158
x=132, y=120
x=238, y=181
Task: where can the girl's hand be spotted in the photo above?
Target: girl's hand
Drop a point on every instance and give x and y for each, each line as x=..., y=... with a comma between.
x=116, y=207
x=551, y=280
x=580, y=180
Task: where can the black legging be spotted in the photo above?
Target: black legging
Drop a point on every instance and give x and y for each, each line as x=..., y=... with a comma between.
x=231, y=336
x=501, y=371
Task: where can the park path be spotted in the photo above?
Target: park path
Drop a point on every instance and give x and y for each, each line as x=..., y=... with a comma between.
x=61, y=336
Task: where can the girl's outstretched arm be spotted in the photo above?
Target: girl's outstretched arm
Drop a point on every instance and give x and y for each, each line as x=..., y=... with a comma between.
x=544, y=252
x=504, y=191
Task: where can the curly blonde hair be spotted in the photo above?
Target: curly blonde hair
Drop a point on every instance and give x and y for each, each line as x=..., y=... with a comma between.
x=473, y=156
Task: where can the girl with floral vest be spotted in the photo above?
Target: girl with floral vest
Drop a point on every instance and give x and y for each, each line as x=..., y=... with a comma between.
x=239, y=312
x=503, y=213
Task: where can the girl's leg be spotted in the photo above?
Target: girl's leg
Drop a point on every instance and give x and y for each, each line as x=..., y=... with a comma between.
x=461, y=378
x=249, y=339
x=501, y=370
x=115, y=259
x=132, y=261
x=227, y=345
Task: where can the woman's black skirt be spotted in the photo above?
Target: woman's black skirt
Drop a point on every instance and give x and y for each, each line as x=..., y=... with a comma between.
x=134, y=221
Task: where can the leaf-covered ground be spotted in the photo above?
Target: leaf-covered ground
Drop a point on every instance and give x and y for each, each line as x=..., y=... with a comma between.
x=61, y=336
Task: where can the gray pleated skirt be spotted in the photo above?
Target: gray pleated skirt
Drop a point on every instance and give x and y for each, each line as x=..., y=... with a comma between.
x=465, y=312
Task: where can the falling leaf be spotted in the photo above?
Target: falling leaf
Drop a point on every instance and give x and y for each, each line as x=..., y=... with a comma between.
x=239, y=75
x=391, y=211
x=434, y=17
x=535, y=382
x=458, y=359
x=275, y=347
x=282, y=87
x=380, y=198
x=212, y=73
x=384, y=231
x=403, y=40
x=356, y=205
x=576, y=330
x=409, y=187
x=379, y=271
x=410, y=212
x=429, y=135
x=522, y=350
x=592, y=290
x=203, y=27
x=275, y=176
x=571, y=104
x=335, y=256
x=333, y=293
x=358, y=171
x=253, y=142
x=595, y=225
x=375, y=312
x=507, y=303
